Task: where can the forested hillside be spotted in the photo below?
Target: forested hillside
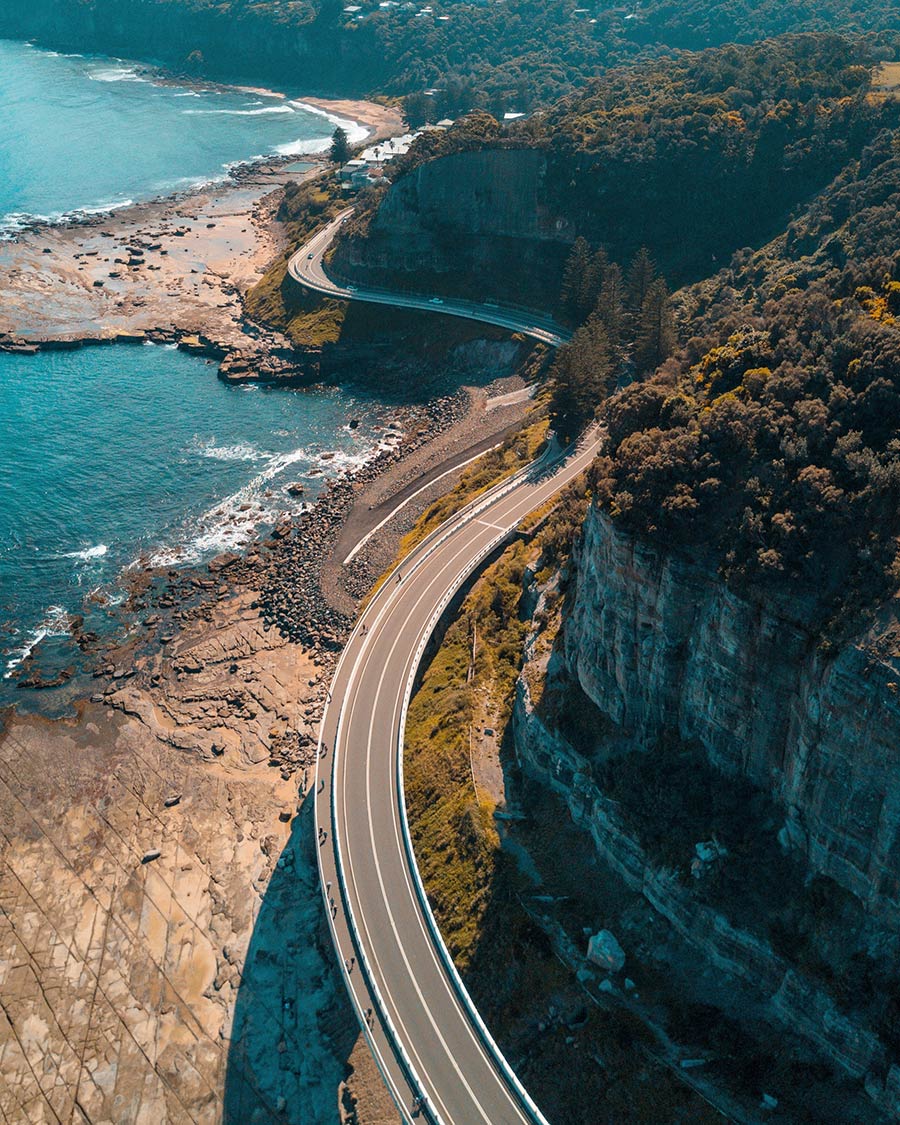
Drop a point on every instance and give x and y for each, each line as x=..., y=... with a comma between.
x=505, y=55
x=768, y=438
x=760, y=423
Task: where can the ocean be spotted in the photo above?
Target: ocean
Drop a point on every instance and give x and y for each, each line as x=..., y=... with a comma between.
x=87, y=134
x=120, y=456
x=123, y=455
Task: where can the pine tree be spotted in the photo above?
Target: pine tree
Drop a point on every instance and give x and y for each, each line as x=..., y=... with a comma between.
x=581, y=380
x=340, y=146
x=610, y=306
x=641, y=275
x=592, y=282
x=656, y=329
x=577, y=265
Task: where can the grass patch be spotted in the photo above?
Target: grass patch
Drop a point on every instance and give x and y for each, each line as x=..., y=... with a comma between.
x=516, y=452
x=276, y=300
x=886, y=78
x=568, y=1052
x=471, y=679
x=453, y=830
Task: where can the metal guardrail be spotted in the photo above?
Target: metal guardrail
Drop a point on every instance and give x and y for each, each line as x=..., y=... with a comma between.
x=462, y=992
x=426, y=549
x=430, y=544
x=434, y=540
x=451, y=306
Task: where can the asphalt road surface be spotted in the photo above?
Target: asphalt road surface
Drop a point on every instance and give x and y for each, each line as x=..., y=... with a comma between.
x=307, y=268
x=424, y=1032
x=435, y=1054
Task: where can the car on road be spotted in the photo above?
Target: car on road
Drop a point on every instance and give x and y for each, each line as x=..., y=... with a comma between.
x=436, y=301
x=310, y=255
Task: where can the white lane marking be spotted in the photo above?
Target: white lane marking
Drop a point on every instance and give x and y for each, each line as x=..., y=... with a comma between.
x=496, y=526
x=365, y=539
x=527, y=503
x=347, y=917
x=303, y=270
x=429, y=945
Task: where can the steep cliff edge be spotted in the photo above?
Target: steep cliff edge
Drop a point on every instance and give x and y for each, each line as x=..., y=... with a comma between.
x=663, y=647
x=741, y=777
x=471, y=223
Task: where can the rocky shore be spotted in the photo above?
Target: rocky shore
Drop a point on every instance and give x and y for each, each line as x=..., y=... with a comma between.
x=163, y=953
x=169, y=270
x=167, y=859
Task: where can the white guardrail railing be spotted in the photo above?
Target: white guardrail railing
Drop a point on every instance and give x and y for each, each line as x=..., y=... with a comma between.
x=455, y=306
x=426, y=548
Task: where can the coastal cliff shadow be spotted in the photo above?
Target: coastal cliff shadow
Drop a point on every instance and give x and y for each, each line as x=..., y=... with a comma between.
x=410, y=356
x=293, y=1028
x=547, y=886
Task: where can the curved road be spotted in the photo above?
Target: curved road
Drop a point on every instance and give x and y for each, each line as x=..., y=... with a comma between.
x=307, y=268
x=435, y=1054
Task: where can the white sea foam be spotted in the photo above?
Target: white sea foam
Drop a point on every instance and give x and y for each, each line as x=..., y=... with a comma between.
x=14, y=222
x=242, y=451
x=232, y=522
x=88, y=553
x=54, y=624
x=116, y=74
x=355, y=132
x=237, y=112
x=303, y=148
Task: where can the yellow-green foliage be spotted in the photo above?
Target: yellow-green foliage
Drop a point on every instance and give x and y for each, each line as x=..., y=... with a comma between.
x=886, y=79
x=275, y=300
x=882, y=306
x=487, y=471
x=456, y=843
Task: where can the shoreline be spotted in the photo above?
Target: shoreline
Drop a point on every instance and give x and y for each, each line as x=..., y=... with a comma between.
x=153, y=806
x=430, y=441
x=164, y=821
x=380, y=123
x=377, y=120
x=166, y=269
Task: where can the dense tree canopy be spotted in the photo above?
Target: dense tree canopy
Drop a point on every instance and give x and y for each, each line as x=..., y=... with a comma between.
x=510, y=55
x=778, y=448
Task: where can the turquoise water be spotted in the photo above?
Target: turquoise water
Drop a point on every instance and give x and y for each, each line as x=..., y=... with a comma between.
x=87, y=134
x=113, y=455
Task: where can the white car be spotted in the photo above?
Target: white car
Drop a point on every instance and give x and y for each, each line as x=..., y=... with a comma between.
x=436, y=301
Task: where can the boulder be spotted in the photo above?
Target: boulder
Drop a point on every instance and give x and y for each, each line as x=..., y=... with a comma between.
x=605, y=952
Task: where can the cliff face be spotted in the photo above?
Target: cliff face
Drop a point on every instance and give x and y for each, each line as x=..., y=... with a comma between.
x=472, y=222
x=653, y=649
x=661, y=646
x=251, y=45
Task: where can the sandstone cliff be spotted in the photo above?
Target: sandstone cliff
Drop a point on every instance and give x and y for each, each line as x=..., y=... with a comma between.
x=472, y=222
x=802, y=915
